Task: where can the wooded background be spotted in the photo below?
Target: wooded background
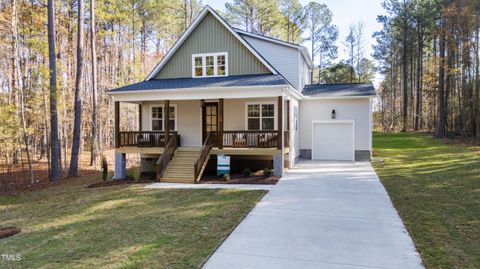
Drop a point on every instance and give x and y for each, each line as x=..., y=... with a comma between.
x=428, y=52
x=58, y=59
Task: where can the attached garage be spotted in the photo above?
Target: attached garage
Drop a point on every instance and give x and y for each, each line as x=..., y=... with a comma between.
x=333, y=140
x=336, y=122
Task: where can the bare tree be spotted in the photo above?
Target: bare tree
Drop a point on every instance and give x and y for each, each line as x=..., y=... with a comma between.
x=93, y=160
x=18, y=84
x=73, y=171
x=55, y=170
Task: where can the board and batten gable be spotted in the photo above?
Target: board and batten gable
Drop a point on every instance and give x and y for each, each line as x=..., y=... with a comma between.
x=211, y=36
x=357, y=109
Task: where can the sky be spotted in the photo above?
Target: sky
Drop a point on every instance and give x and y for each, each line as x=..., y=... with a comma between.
x=345, y=13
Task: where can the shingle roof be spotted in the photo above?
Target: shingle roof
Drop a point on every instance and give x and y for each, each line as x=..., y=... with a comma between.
x=339, y=90
x=214, y=82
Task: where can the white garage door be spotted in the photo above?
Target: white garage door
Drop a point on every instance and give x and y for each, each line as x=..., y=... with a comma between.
x=333, y=141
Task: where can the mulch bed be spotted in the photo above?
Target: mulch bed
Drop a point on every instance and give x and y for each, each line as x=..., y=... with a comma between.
x=111, y=183
x=8, y=231
x=240, y=179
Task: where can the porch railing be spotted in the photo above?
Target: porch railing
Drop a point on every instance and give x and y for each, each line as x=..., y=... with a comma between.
x=167, y=154
x=248, y=139
x=200, y=162
x=141, y=139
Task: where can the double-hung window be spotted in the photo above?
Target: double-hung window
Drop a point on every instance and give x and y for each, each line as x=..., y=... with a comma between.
x=210, y=64
x=159, y=121
x=260, y=116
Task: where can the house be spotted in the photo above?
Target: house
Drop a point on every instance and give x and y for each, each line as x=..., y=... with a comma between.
x=224, y=91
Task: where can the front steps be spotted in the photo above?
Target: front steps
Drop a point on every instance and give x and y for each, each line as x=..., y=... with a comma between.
x=181, y=167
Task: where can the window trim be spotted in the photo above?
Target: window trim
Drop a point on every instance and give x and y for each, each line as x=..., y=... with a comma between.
x=163, y=117
x=275, y=114
x=215, y=64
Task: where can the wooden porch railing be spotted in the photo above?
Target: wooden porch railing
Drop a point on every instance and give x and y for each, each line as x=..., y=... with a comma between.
x=167, y=154
x=200, y=162
x=249, y=139
x=141, y=139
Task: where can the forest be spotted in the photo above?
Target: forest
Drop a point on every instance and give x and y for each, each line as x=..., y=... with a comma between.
x=428, y=54
x=59, y=58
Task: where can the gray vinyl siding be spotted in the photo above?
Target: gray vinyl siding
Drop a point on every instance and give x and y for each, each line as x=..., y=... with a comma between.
x=212, y=36
x=283, y=58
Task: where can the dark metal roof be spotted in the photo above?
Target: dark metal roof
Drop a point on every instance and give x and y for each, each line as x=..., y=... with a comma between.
x=339, y=90
x=214, y=82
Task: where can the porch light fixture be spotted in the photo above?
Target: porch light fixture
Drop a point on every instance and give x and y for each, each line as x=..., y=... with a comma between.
x=334, y=114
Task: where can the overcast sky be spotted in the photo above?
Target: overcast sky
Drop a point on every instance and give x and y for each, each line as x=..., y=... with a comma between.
x=345, y=13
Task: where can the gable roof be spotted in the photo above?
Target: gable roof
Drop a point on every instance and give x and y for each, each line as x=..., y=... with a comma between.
x=303, y=50
x=207, y=82
x=192, y=27
x=340, y=90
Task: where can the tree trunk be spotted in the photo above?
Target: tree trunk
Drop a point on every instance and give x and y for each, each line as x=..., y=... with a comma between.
x=404, y=72
x=73, y=171
x=55, y=172
x=93, y=157
x=418, y=104
x=442, y=112
x=19, y=86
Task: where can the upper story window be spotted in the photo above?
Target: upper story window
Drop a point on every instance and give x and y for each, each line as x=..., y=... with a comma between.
x=210, y=64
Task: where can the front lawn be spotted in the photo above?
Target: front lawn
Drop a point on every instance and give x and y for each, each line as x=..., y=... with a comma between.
x=70, y=226
x=435, y=186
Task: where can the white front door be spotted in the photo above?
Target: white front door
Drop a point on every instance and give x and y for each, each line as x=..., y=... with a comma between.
x=333, y=140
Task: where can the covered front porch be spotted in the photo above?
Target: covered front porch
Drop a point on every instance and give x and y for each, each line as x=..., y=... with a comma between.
x=177, y=134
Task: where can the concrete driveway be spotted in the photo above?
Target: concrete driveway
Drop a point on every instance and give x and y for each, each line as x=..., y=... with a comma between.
x=321, y=215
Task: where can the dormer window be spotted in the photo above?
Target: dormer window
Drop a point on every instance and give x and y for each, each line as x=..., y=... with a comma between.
x=210, y=65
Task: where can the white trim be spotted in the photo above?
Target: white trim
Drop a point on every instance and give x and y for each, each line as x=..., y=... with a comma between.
x=204, y=93
x=275, y=113
x=306, y=97
x=204, y=66
x=192, y=27
x=186, y=90
x=163, y=116
x=370, y=125
x=330, y=122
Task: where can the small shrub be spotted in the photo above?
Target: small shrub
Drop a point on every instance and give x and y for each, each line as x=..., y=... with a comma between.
x=247, y=172
x=226, y=177
x=134, y=173
x=267, y=172
x=104, y=169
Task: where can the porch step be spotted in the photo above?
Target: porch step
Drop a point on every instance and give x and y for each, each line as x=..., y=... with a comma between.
x=176, y=180
x=180, y=168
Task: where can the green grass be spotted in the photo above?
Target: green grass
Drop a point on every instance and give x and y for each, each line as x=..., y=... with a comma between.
x=436, y=189
x=70, y=226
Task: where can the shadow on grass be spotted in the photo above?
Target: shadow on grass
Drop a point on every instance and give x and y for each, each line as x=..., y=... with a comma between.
x=436, y=189
x=127, y=227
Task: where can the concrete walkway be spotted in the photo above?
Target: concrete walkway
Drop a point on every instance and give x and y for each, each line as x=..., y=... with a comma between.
x=208, y=186
x=321, y=215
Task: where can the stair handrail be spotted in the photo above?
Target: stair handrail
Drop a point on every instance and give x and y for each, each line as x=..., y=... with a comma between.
x=167, y=154
x=202, y=156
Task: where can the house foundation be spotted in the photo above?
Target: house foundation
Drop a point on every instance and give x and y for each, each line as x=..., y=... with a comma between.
x=120, y=171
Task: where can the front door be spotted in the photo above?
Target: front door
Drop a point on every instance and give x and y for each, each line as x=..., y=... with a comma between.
x=209, y=119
